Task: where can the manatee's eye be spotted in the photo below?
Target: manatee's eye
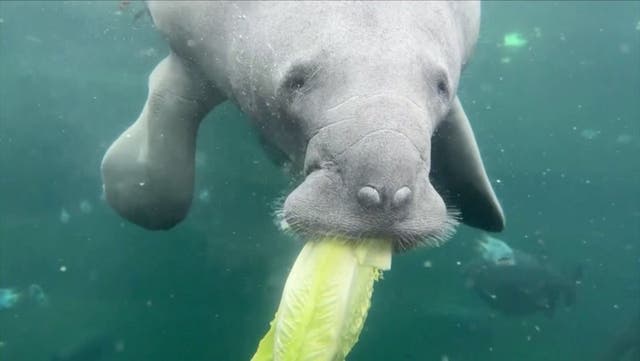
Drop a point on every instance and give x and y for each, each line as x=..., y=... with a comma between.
x=299, y=77
x=443, y=88
x=296, y=82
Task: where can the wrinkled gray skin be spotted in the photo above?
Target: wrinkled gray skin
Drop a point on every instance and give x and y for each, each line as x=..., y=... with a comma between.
x=361, y=97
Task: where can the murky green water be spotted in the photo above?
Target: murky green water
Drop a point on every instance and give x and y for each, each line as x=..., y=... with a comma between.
x=555, y=107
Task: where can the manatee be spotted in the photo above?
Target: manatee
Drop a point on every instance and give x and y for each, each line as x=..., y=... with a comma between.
x=361, y=99
x=519, y=284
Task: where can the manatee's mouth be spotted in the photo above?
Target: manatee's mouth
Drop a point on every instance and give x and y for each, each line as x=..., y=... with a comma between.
x=323, y=206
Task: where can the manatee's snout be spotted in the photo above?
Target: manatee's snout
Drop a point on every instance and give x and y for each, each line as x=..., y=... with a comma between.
x=371, y=197
x=381, y=172
x=369, y=177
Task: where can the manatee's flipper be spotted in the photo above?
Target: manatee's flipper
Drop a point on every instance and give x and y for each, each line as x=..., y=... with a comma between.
x=458, y=174
x=148, y=172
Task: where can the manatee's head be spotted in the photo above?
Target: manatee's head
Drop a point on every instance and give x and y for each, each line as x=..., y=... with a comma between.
x=357, y=102
x=366, y=169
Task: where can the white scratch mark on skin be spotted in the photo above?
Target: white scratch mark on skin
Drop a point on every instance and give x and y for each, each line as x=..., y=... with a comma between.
x=367, y=135
x=342, y=103
x=318, y=130
x=375, y=95
x=273, y=52
x=315, y=72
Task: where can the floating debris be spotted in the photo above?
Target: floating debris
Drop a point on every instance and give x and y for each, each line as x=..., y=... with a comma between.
x=624, y=139
x=34, y=295
x=537, y=32
x=37, y=296
x=85, y=206
x=624, y=48
x=33, y=39
x=8, y=298
x=589, y=134
x=514, y=40
x=119, y=345
x=201, y=160
x=487, y=87
x=147, y=53
x=64, y=216
x=204, y=196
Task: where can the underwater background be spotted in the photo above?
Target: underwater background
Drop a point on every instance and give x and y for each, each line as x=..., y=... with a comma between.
x=553, y=94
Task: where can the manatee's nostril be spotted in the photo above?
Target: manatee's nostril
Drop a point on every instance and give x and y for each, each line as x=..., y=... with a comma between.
x=402, y=197
x=369, y=197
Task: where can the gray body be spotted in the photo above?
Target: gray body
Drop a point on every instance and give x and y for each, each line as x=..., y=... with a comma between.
x=522, y=288
x=361, y=97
